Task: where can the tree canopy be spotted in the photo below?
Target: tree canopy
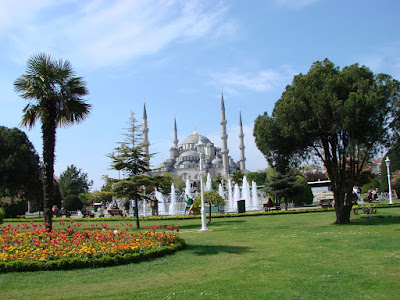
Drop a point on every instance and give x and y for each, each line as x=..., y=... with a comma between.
x=74, y=181
x=284, y=187
x=19, y=170
x=258, y=177
x=341, y=116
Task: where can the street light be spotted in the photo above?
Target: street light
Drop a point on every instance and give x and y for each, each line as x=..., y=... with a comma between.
x=387, y=161
x=200, y=147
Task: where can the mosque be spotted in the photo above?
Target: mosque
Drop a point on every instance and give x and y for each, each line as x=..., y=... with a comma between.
x=184, y=160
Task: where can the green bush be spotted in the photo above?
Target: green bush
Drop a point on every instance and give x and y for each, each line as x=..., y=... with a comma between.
x=2, y=214
x=373, y=184
x=15, y=209
x=72, y=203
x=305, y=194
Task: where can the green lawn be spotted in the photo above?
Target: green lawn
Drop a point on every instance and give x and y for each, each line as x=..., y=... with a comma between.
x=301, y=256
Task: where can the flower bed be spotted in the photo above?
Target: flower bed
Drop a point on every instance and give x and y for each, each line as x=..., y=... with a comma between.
x=32, y=246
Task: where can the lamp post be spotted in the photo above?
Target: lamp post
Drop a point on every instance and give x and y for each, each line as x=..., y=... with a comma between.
x=200, y=147
x=387, y=161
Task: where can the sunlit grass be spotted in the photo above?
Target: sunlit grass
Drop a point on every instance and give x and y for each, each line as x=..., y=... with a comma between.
x=301, y=256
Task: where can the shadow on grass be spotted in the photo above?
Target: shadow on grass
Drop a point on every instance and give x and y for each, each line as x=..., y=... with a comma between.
x=215, y=222
x=376, y=220
x=216, y=249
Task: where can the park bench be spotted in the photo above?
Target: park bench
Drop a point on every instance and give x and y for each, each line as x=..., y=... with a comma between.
x=325, y=203
x=273, y=206
x=115, y=212
x=65, y=214
x=87, y=213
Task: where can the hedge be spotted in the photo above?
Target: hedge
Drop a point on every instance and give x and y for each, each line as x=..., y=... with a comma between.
x=184, y=217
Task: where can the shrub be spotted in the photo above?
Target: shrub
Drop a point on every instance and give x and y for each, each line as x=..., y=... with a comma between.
x=14, y=209
x=305, y=194
x=1, y=215
x=72, y=203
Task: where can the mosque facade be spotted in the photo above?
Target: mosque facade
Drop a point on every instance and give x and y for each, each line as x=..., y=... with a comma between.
x=183, y=160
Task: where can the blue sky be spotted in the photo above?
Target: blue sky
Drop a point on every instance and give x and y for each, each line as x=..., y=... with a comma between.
x=178, y=55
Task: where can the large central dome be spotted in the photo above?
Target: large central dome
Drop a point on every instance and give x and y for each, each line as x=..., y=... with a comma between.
x=194, y=139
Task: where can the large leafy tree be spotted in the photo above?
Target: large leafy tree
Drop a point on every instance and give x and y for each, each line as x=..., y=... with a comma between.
x=340, y=116
x=55, y=97
x=74, y=181
x=19, y=171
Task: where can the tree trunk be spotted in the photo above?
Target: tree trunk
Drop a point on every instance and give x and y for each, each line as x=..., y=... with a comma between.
x=137, y=214
x=49, y=142
x=343, y=214
x=209, y=219
x=342, y=205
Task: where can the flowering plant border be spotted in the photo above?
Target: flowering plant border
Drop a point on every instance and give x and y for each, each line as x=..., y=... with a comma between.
x=37, y=249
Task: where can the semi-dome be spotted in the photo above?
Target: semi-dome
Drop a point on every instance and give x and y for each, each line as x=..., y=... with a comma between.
x=190, y=153
x=194, y=139
x=216, y=161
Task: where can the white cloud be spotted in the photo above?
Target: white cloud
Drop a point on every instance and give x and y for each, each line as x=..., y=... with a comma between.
x=15, y=13
x=260, y=81
x=101, y=33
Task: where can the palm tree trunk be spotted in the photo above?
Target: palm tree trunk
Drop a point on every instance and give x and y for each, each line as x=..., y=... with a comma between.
x=49, y=142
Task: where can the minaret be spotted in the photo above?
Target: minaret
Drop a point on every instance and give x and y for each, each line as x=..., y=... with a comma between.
x=146, y=143
x=224, y=138
x=175, y=134
x=241, y=147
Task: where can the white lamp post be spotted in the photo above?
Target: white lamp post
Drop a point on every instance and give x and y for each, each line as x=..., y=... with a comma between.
x=200, y=150
x=387, y=161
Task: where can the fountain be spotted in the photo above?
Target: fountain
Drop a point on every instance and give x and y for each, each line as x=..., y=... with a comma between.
x=221, y=191
x=231, y=204
x=208, y=183
x=246, y=193
x=172, y=205
x=161, y=203
x=144, y=206
x=254, y=198
x=187, y=189
x=236, y=197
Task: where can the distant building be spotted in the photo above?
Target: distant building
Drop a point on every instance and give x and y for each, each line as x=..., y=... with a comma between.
x=376, y=166
x=183, y=160
x=320, y=186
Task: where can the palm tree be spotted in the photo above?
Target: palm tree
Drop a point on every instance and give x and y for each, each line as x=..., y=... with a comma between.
x=55, y=97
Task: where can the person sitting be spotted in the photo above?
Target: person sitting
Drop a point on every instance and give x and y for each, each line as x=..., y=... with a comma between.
x=55, y=211
x=101, y=212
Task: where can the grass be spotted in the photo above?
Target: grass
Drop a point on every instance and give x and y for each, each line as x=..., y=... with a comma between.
x=301, y=256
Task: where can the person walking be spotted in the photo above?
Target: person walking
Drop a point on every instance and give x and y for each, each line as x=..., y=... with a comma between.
x=187, y=203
